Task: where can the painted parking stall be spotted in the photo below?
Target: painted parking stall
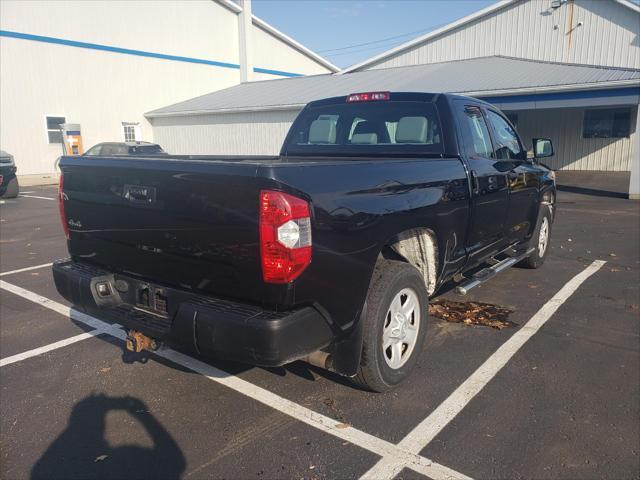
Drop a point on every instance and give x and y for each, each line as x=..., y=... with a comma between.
x=318, y=423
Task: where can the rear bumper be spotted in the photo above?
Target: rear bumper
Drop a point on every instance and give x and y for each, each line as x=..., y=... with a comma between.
x=206, y=325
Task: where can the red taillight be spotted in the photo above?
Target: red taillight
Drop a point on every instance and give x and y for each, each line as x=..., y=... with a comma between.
x=285, y=236
x=63, y=217
x=368, y=97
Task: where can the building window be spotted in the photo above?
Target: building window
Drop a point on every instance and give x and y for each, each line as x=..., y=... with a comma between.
x=131, y=132
x=607, y=123
x=54, y=135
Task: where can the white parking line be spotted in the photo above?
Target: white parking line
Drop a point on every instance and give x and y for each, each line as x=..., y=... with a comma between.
x=47, y=348
x=20, y=270
x=426, y=431
x=326, y=424
x=114, y=330
x=39, y=198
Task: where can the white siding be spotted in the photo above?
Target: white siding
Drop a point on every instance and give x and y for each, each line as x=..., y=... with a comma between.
x=572, y=152
x=100, y=89
x=257, y=133
x=200, y=29
x=609, y=36
x=272, y=53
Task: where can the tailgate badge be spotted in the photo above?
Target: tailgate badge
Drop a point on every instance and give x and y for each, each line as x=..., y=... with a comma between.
x=139, y=194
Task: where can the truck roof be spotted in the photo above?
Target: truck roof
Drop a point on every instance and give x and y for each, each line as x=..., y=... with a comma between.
x=399, y=96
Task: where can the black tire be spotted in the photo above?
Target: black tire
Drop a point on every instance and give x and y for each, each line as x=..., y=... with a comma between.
x=12, y=189
x=389, y=279
x=536, y=259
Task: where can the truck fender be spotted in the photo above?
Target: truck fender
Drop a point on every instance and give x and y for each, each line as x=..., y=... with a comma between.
x=418, y=247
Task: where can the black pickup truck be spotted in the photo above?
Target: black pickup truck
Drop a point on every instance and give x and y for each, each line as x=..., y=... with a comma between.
x=328, y=252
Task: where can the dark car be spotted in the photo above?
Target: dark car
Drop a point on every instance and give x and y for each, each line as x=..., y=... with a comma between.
x=9, y=187
x=107, y=149
x=328, y=252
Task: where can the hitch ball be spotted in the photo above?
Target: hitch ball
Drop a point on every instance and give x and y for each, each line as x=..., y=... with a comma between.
x=136, y=342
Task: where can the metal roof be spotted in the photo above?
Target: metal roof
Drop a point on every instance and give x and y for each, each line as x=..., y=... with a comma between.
x=451, y=26
x=487, y=76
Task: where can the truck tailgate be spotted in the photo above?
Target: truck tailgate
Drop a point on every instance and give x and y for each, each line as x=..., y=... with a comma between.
x=188, y=223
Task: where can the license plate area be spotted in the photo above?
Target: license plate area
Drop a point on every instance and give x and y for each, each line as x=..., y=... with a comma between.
x=152, y=299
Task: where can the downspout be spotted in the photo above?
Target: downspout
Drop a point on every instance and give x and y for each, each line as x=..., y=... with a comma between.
x=634, y=181
x=569, y=27
x=245, y=42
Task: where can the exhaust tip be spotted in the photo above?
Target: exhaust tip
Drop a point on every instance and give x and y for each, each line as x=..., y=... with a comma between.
x=319, y=359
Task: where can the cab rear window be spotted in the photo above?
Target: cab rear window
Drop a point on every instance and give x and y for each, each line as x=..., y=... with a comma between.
x=366, y=128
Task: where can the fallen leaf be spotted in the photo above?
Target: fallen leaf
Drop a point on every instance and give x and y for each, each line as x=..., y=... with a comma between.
x=531, y=285
x=343, y=425
x=100, y=458
x=35, y=274
x=328, y=402
x=471, y=313
x=105, y=369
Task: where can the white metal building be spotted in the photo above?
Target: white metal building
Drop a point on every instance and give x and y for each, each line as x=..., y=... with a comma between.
x=589, y=112
x=103, y=64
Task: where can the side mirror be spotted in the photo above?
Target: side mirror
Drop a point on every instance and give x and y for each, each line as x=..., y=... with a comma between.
x=542, y=147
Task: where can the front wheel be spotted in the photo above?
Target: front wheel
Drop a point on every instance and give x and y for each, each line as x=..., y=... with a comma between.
x=540, y=239
x=394, y=327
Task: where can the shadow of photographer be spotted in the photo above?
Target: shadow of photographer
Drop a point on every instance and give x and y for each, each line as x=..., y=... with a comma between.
x=82, y=451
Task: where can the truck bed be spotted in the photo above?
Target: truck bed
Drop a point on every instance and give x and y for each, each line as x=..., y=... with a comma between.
x=191, y=222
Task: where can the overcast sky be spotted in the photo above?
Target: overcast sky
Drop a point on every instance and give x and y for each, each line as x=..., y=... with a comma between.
x=328, y=25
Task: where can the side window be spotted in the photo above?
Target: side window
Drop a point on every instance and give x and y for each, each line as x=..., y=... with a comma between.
x=507, y=144
x=95, y=150
x=477, y=141
x=109, y=149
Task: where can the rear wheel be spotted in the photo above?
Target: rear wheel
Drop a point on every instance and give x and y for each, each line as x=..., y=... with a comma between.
x=394, y=326
x=540, y=239
x=12, y=189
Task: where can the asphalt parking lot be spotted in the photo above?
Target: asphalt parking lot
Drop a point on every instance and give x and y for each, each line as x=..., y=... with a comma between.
x=556, y=396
